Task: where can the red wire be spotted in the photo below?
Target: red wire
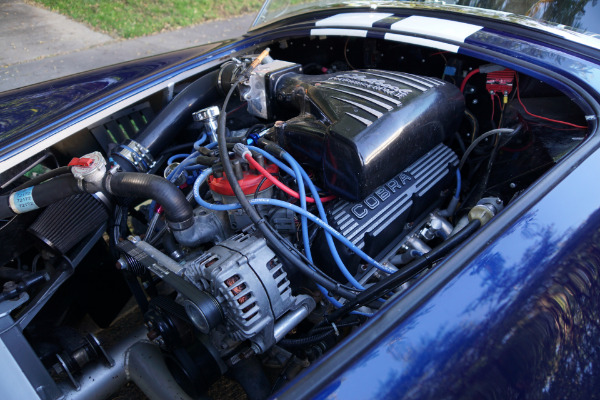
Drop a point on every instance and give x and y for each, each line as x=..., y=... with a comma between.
x=234, y=110
x=279, y=184
x=554, y=127
x=469, y=75
x=544, y=118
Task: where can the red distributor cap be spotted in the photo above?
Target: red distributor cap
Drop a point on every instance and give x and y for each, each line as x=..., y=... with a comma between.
x=249, y=184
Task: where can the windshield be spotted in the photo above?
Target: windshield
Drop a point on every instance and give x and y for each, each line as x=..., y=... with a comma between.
x=578, y=15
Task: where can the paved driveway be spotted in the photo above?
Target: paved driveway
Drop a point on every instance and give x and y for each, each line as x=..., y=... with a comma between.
x=37, y=45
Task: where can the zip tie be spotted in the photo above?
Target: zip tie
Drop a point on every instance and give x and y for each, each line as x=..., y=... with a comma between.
x=335, y=329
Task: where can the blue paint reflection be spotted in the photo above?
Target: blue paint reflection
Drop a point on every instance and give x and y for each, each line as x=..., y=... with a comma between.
x=522, y=320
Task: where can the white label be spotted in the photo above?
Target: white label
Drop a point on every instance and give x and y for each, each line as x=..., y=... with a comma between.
x=22, y=201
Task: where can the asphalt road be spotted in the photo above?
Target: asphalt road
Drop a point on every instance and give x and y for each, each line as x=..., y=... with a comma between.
x=39, y=45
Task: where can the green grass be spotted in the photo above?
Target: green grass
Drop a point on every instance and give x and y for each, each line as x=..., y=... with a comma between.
x=132, y=18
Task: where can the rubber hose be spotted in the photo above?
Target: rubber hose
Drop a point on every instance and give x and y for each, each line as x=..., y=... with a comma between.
x=54, y=190
x=170, y=245
x=508, y=131
x=174, y=117
x=306, y=340
x=45, y=193
x=178, y=113
x=5, y=210
x=136, y=184
x=44, y=177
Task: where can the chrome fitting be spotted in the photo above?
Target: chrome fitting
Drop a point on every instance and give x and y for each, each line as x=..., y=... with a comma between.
x=210, y=117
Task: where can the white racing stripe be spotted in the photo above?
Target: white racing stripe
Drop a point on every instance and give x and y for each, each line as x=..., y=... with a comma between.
x=388, y=36
x=338, y=32
x=359, y=20
x=414, y=25
x=421, y=42
x=442, y=28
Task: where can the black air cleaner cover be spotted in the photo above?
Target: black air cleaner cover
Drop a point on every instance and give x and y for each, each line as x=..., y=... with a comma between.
x=360, y=128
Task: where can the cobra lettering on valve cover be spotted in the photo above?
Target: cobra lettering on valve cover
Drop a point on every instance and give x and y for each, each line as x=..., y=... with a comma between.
x=382, y=194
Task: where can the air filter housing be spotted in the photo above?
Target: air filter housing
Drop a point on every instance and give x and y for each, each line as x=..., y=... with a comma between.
x=358, y=129
x=65, y=223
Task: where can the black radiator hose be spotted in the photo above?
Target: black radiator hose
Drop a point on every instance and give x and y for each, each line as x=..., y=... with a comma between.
x=39, y=196
x=178, y=210
x=53, y=173
x=54, y=190
x=174, y=117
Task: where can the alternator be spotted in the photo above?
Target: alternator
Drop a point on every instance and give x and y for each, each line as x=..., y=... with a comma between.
x=249, y=282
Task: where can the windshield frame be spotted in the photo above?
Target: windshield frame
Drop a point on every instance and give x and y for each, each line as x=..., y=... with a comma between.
x=263, y=19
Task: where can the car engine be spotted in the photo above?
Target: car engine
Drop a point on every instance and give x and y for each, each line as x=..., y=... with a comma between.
x=264, y=212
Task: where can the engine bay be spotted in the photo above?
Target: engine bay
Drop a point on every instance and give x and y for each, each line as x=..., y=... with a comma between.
x=261, y=212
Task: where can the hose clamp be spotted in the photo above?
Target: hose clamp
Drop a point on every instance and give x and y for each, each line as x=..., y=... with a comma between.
x=179, y=226
x=101, y=197
x=136, y=154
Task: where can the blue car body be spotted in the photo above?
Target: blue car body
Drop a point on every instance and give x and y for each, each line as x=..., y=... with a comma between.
x=512, y=313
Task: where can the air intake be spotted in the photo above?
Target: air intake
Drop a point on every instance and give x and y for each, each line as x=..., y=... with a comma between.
x=64, y=224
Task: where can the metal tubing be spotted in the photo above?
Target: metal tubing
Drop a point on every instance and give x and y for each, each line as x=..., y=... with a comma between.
x=99, y=381
x=135, y=360
x=145, y=366
x=289, y=321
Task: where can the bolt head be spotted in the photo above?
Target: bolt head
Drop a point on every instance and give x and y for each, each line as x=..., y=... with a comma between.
x=121, y=264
